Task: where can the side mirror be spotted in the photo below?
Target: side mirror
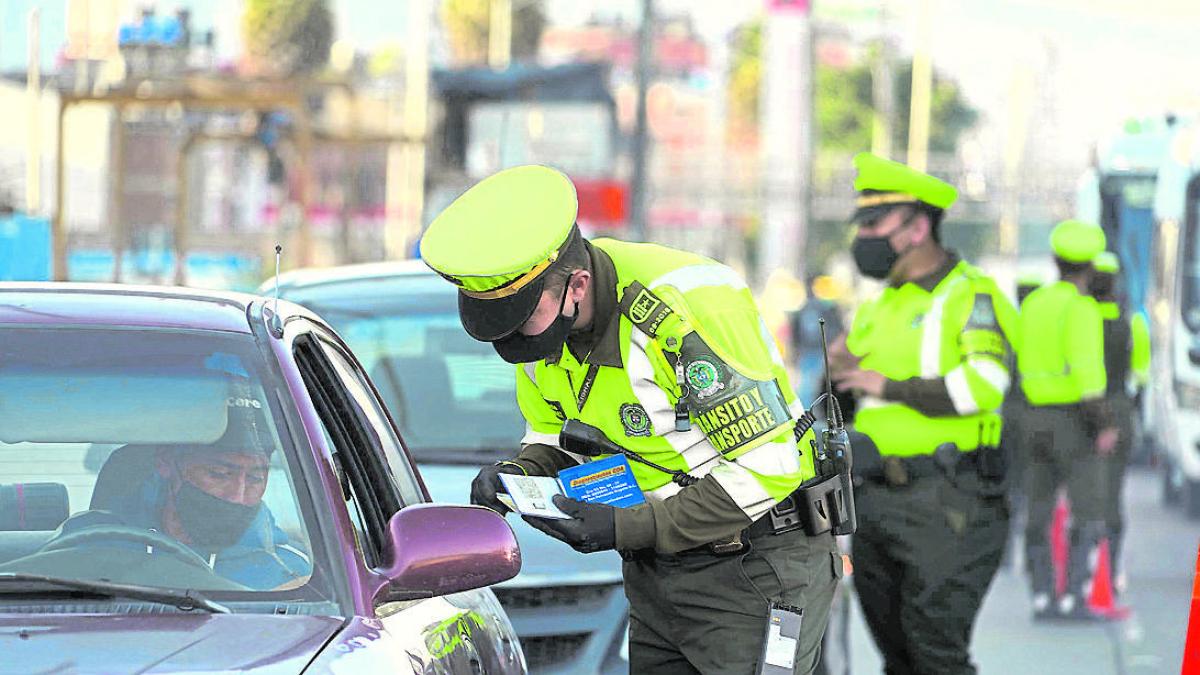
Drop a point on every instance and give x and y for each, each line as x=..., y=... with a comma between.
x=439, y=549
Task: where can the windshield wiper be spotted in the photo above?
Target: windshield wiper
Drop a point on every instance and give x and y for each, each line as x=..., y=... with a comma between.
x=186, y=600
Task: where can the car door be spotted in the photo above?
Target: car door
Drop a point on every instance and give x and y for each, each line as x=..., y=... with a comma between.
x=459, y=633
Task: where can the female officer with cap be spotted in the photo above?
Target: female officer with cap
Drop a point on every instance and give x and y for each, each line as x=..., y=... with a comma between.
x=666, y=354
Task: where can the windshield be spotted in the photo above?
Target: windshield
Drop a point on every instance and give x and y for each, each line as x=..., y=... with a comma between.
x=453, y=398
x=150, y=457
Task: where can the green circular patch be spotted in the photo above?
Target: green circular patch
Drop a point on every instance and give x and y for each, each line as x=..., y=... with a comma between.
x=702, y=374
x=635, y=420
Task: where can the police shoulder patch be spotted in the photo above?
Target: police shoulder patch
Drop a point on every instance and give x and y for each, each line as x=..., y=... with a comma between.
x=635, y=420
x=645, y=309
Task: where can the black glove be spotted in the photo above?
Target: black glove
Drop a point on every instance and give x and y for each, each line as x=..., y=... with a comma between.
x=592, y=527
x=487, y=484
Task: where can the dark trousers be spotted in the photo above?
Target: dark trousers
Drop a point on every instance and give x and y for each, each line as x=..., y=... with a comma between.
x=1062, y=453
x=924, y=556
x=1115, y=467
x=703, y=613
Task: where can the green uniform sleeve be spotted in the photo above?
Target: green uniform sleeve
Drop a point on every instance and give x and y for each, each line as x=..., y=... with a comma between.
x=1085, y=347
x=981, y=376
x=1140, y=354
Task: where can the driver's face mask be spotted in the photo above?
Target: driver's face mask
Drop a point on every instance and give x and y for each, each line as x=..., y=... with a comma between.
x=211, y=522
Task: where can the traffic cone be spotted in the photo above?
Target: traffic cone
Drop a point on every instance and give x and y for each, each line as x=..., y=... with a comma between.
x=1059, y=546
x=1102, y=601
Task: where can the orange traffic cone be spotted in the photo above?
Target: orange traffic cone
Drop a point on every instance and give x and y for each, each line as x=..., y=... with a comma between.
x=1102, y=601
x=1059, y=546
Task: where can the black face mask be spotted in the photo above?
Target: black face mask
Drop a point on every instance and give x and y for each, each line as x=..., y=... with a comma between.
x=211, y=522
x=519, y=348
x=875, y=256
x=1100, y=286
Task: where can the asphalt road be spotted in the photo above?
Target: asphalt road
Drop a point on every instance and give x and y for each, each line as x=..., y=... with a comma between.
x=1161, y=557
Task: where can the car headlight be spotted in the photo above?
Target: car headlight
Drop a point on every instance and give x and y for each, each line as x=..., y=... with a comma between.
x=1187, y=395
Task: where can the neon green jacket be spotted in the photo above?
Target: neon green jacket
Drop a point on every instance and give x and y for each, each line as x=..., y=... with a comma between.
x=943, y=343
x=697, y=326
x=1061, y=353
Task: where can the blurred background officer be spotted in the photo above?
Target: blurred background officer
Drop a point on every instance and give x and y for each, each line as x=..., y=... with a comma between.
x=1013, y=442
x=928, y=360
x=805, y=331
x=1061, y=362
x=664, y=352
x=1126, y=364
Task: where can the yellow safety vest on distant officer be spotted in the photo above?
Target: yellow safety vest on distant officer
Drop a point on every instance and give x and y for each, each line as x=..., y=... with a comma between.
x=1061, y=355
x=959, y=331
x=1107, y=262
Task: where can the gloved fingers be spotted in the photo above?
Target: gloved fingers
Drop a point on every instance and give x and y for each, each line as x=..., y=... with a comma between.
x=557, y=528
x=571, y=507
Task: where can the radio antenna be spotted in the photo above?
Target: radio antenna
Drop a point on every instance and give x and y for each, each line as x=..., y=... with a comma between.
x=833, y=411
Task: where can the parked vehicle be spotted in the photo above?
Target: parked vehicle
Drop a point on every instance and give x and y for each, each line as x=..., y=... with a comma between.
x=454, y=401
x=1174, y=390
x=205, y=482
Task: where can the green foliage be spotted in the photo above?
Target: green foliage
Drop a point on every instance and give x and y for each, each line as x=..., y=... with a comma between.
x=843, y=100
x=467, y=23
x=287, y=37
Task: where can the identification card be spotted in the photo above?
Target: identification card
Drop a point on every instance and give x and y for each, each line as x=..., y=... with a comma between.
x=781, y=641
x=603, y=481
x=532, y=495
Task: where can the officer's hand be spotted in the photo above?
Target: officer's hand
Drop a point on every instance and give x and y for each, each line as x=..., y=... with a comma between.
x=840, y=358
x=868, y=382
x=592, y=527
x=1106, y=441
x=487, y=484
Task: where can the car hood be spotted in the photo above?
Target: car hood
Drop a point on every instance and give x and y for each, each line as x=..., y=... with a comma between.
x=545, y=561
x=163, y=643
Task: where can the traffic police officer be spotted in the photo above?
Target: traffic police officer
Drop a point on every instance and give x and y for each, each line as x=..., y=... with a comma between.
x=665, y=352
x=1126, y=361
x=927, y=361
x=1061, y=362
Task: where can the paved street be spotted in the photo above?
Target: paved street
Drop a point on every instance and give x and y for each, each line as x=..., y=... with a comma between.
x=1162, y=553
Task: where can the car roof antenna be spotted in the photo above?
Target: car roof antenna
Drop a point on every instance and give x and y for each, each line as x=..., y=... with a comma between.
x=274, y=323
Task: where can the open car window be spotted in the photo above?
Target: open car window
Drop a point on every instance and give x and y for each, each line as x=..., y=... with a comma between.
x=152, y=457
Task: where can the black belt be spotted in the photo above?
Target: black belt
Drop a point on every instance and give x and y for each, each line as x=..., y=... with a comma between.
x=900, y=471
x=766, y=525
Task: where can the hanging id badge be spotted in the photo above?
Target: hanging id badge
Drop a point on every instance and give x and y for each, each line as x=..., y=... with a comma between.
x=781, y=640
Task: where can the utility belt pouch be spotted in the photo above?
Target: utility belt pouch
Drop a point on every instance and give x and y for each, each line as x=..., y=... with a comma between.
x=822, y=505
x=992, y=463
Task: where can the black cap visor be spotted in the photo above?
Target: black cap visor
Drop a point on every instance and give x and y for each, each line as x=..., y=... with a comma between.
x=868, y=215
x=491, y=320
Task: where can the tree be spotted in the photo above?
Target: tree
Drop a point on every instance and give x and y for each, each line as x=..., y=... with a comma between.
x=467, y=22
x=843, y=100
x=287, y=37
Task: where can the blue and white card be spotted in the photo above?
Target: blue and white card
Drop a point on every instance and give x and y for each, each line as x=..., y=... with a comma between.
x=604, y=481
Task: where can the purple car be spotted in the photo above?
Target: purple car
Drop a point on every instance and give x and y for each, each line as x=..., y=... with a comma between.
x=208, y=482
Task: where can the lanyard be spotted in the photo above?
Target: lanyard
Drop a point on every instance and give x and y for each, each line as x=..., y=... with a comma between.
x=585, y=389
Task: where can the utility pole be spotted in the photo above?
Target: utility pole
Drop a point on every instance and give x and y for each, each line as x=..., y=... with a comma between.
x=883, y=91
x=640, y=180
x=787, y=121
x=33, y=91
x=405, y=191
x=922, y=76
x=500, y=34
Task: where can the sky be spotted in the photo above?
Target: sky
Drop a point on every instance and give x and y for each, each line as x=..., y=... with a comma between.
x=1100, y=61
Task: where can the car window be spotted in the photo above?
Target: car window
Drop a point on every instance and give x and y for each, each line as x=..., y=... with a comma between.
x=370, y=497
x=119, y=443
x=400, y=471
x=452, y=397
